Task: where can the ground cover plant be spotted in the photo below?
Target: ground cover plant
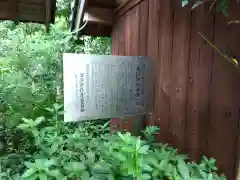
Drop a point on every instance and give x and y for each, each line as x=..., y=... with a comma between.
x=35, y=143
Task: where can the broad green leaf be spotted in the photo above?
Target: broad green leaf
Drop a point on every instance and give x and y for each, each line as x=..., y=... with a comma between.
x=147, y=167
x=210, y=176
x=28, y=121
x=55, y=173
x=128, y=149
x=183, y=169
x=75, y=167
x=39, y=120
x=29, y=172
x=184, y=3
x=23, y=126
x=144, y=149
x=57, y=106
x=120, y=156
x=42, y=176
x=49, y=109
x=29, y=164
x=33, y=177
x=121, y=136
x=49, y=163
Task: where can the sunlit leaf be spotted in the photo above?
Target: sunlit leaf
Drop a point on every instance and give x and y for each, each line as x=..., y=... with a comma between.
x=184, y=3
x=235, y=61
x=42, y=176
x=29, y=172
x=75, y=167
x=183, y=169
x=144, y=149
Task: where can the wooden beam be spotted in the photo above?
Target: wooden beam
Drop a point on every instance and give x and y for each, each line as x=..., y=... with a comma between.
x=80, y=14
x=125, y=6
x=48, y=6
x=94, y=29
x=103, y=3
x=120, y=2
x=99, y=15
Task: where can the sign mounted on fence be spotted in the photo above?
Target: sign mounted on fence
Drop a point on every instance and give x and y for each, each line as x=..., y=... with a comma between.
x=101, y=86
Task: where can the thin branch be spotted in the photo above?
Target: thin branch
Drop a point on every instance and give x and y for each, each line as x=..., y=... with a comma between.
x=231, y=60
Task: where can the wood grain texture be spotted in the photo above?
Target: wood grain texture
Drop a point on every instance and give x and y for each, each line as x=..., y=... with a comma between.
x=200, y=66
x=152, y=50
x=28, y=11
x=179, y=75
x=224, y=106
x=165, y=55
x=196, y=105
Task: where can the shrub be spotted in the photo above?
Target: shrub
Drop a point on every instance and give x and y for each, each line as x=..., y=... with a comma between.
x=34, y=141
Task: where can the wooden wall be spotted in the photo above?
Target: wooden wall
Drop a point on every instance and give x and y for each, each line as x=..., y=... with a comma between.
x=196, y=94
x=40, y=11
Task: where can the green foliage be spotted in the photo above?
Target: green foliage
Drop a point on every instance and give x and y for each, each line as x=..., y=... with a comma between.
x=35, y=143
x=221, y=5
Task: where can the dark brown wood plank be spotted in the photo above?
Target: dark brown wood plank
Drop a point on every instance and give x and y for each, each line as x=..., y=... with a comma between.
x=126, y=7
x=233, y=48
x=143, y=39
x=224, y=119
x=153, y=47
x=165, y=54
x=114, y=36
x=143, y=30
x=133, y=124
x=180, y=63
x=121, y=34
x=127, y=34
x=200, y=64
x=134, y=38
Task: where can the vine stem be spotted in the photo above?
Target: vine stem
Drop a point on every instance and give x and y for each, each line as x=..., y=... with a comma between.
x=231, y=60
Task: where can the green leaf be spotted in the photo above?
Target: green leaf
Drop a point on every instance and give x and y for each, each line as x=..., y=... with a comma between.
x=184, y=3
x=147, y=167
x=49, y=163
x=42, y=176
x=138, y=143
x=121, y=136
x=120, y=156
x=128, y=149
x=57, y=106
x=23, y=126
x=183, y=169
x=210, y=176
x=28, y=121
x=198, y=3
x=75, y=167
x=29, y=164
x=55, y=173
x=49, y=109
x=146, y=177
x=29, y=172
x=33, y=177
x=144, y=149
x=38, y=121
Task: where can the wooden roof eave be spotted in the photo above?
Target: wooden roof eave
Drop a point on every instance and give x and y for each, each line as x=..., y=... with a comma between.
x=41, y=11
x=99, y=19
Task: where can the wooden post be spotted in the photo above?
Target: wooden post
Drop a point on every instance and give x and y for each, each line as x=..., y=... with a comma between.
x=47, y=14
x=238, y=172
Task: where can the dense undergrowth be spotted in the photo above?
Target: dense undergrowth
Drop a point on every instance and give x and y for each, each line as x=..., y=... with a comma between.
x=36, y=144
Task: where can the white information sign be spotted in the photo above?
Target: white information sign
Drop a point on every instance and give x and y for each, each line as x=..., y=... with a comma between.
x=101, y=86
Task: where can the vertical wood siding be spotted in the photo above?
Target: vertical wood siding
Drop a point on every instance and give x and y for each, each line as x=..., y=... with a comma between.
x=196, y=91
